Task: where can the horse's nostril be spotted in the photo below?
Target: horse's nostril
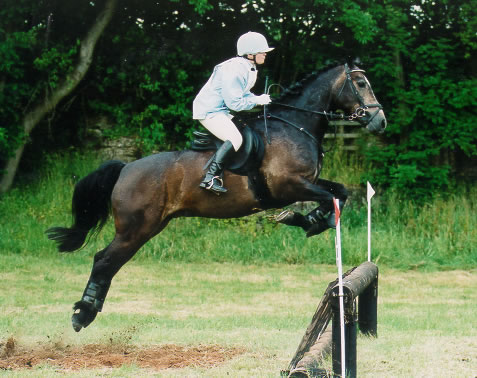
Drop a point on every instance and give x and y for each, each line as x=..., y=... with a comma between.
x=383, y=124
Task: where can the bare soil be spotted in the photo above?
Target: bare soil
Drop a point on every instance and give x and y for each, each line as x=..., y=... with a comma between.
x=94, y=356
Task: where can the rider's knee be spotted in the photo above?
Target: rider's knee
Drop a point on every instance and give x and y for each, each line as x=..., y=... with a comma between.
x=237, y=141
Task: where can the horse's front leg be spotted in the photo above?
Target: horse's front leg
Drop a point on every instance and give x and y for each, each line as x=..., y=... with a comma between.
x=322, y=217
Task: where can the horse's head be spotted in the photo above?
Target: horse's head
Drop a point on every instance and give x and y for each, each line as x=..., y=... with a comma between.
x=353, y=94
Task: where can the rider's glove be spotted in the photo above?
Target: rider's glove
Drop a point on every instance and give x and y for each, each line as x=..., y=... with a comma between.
x=263, y=99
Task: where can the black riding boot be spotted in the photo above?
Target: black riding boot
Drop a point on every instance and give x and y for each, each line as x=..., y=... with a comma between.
x=212, y=180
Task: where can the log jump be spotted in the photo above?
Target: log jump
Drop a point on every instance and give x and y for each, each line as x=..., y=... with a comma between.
x=360, y=292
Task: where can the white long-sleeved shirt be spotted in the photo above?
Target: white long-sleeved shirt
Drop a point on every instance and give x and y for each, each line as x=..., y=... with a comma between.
x=228, y=88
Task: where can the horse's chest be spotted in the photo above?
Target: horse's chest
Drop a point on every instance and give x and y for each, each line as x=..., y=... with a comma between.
x=289, y=162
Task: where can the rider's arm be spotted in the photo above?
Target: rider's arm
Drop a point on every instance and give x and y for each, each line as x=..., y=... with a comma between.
x=234, y=84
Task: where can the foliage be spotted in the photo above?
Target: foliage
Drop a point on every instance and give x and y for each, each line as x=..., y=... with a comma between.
x=420, y=57
x=430, y=96
x=14, y=90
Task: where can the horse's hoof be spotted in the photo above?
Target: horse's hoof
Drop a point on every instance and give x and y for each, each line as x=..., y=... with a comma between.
x=331, y=220
x=290, y=218
x=76, y=324
x=83, y=315
x=317, y=228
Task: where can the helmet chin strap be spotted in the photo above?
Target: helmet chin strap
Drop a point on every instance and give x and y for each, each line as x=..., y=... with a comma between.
x=254, y=58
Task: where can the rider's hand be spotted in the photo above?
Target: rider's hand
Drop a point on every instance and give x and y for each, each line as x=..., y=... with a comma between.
x=263, y=99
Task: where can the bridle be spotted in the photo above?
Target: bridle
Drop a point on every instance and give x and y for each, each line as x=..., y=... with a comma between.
x=360, y=111
x=358, y=115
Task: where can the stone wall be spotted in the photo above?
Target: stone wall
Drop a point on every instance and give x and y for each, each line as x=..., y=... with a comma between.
x=118, y=148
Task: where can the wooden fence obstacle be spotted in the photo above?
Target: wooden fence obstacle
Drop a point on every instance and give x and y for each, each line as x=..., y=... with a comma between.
x=360, y=285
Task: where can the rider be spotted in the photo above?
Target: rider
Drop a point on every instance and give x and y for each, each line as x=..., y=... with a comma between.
x=229, y=89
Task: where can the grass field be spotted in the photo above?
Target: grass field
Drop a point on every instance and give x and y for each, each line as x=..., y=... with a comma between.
x=234, y=297
x=426, y=325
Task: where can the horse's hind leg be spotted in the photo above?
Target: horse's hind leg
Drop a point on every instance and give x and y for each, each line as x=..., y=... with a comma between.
x=92, y=300
x=106, y=264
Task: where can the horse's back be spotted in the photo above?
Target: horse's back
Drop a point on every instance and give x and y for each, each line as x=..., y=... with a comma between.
x=149, y=181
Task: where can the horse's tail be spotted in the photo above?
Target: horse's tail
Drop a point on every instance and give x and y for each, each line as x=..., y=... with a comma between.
x=91, y=206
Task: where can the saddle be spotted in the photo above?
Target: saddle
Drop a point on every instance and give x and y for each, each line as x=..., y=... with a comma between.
x=247, y=159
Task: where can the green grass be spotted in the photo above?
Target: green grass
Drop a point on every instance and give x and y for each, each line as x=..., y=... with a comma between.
x=438, y=234
x=424, y=318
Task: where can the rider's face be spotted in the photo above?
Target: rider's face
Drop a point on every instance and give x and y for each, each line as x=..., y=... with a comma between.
x=259, y=58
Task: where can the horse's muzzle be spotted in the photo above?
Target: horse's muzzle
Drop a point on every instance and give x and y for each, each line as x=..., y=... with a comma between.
x=375, y=121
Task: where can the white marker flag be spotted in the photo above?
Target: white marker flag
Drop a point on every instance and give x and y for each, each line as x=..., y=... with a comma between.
x=370, y=193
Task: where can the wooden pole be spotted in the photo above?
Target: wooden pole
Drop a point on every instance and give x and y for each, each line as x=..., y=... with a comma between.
x=360, y=282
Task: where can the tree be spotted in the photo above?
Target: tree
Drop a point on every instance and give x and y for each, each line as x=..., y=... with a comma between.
x=55, y=94
x=153, y=58
x=424, y=61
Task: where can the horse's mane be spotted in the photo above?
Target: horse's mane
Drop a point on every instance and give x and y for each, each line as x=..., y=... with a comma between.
x=296, y=88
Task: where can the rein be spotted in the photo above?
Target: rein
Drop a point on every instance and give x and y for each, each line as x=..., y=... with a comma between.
x=328, y=115
x=306, y=132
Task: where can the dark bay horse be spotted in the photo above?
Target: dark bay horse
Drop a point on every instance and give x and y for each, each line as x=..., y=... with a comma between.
x=146, y=194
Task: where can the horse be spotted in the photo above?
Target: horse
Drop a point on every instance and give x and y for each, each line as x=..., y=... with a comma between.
x=144, y=195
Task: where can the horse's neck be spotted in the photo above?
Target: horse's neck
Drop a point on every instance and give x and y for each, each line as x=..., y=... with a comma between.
x=315, y=98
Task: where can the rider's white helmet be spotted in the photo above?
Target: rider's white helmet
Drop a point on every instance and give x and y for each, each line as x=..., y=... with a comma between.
x=252, y=43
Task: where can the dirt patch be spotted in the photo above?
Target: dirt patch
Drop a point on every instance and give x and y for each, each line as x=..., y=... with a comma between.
x=93, y=356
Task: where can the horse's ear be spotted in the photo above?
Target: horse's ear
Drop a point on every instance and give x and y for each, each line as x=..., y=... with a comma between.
x=353, y=61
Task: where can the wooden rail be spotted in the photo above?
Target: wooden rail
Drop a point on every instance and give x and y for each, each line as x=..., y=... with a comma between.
x=347, y=133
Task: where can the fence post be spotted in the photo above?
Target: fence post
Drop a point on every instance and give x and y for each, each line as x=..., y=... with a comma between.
x=368, y=310
x=350, y=344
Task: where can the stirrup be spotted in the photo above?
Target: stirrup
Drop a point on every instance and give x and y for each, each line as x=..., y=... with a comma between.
x=211, y=182
x=213, y=186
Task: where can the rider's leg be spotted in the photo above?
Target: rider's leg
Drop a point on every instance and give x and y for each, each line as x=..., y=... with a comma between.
x=223, y=128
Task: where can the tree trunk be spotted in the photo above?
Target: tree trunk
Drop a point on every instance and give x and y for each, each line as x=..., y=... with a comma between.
x=33, y=117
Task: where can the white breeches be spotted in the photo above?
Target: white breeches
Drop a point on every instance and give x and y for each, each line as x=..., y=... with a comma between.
x=223, y=128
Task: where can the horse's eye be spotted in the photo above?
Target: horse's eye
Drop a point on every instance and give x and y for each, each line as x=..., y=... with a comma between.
x=361, y=83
